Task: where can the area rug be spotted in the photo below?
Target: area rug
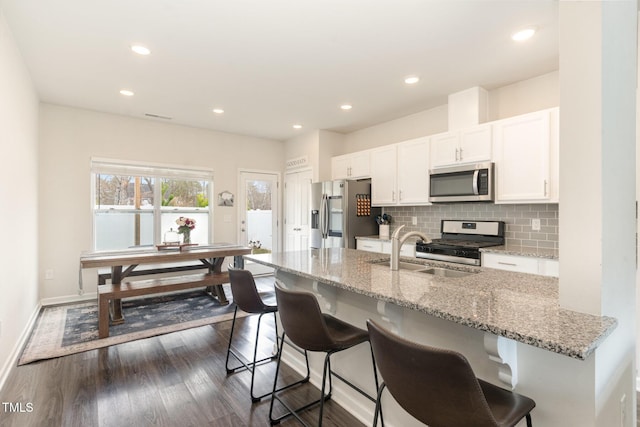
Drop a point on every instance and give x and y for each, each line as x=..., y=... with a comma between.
x=73, y=328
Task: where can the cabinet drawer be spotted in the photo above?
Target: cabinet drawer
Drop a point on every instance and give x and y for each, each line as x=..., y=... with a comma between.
x=408, y=249
x=511, y=263
x=369, y=245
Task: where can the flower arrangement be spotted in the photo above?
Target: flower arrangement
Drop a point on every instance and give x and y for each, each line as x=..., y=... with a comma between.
x=185, y=225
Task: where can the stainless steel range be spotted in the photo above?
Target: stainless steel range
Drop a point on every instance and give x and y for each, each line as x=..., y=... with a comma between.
x=461, y=241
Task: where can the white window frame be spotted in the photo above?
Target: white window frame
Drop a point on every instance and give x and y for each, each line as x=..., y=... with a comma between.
x=158, y=171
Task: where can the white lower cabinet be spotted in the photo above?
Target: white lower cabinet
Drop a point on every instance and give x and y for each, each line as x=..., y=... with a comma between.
x=521, y=264
x=369, y=245
x=384, y=246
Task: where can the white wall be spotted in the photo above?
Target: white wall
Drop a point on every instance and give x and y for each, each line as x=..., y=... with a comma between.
x=18, y=198
x=521, y=97
x=69, y=137
x=426, y=122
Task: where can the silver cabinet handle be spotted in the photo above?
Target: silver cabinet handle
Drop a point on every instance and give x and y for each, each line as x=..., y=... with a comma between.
x=545, y=188
x=460, y=154
x=456, y=154
x=400, y=196
x=393, y=196
x=508, y=263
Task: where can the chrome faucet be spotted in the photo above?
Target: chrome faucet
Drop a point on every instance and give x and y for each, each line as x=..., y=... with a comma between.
x=397, y=242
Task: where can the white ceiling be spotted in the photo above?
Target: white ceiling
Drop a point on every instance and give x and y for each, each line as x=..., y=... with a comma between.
x=273, y=63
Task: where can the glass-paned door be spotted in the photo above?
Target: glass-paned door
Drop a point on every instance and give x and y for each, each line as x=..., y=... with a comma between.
x=258, y=210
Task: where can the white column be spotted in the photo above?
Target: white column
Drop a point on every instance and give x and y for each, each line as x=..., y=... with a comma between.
x=597, y=185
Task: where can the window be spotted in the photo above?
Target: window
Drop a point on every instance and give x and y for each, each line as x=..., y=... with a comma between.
x=135, y=205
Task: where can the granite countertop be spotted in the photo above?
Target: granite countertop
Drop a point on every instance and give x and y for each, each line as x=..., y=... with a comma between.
x=519, y=306
x=547, y=253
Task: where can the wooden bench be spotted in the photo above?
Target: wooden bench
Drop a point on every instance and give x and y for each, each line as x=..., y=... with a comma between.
x=127, y=289
x=105, y=274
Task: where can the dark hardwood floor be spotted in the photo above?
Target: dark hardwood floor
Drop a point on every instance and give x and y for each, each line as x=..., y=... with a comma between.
x=177, y=379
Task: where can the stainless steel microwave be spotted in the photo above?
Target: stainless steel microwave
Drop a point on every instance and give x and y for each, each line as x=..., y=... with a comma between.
x=465, y=183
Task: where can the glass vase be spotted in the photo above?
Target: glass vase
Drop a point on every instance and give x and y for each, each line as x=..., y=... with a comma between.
x=186, y=236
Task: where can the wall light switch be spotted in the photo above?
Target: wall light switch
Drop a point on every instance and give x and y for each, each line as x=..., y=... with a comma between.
x=535, y=224
x=48, y=274
x=414, y=220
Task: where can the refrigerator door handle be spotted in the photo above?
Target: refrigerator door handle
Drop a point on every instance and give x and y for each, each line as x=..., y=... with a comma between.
x=324, y=216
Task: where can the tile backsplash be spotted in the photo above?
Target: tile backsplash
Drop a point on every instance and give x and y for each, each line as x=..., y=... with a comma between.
x=517, y=220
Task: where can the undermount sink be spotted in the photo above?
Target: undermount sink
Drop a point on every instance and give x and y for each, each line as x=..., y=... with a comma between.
x=405, y=265
x=445, y=272
x=435, y=271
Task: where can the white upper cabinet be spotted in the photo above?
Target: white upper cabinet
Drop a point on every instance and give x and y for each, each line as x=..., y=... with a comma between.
x=384, y=170
x=470, y=145
x=526, y=158
x=400, y=173
x=351, y=166
x=413, y=172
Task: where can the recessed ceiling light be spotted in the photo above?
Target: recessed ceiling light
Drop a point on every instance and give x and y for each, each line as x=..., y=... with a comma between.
x=346, y=107
x=126, y=92
x=524, y=34
x=411, y=80
x=140, y=50
x=297, y=126
x=218, y=110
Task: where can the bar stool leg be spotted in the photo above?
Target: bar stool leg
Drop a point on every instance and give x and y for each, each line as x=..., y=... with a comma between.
x=274, y=396
x=378, y=404
x=375, y=377
x=251, y=366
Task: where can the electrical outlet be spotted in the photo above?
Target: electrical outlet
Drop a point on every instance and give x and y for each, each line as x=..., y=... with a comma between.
x=623, y=410
x=414, y=220
x=535, y=224
x=48, y=274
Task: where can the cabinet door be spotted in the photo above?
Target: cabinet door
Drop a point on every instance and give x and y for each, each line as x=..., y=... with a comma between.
x=475, y=144
x=360, y=165
x=522, y=158
x=444, y=149
x=413, y=172
x=340, y=167
x=383, y=176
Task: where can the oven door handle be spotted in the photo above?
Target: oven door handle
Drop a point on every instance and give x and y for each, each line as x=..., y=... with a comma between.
x=476, y=175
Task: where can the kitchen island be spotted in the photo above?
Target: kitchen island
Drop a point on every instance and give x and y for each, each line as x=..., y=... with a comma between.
x=509, y=325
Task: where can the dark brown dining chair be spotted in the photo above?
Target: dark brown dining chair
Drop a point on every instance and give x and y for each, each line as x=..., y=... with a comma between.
x=246, y=298
x=311, y=330
x=438, y=387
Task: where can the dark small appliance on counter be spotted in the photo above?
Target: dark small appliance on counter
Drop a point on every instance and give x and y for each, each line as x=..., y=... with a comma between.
x=461, y=241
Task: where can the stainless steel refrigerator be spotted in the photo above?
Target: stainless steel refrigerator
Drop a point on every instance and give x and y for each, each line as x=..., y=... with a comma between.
x=340, y=211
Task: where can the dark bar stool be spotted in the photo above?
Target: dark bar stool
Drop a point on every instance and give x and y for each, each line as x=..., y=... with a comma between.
x=438, y=387
x=311, y=330
x=247, y=298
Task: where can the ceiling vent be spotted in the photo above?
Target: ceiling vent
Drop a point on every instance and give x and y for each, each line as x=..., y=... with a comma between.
x=468, y=108
x=157, y=116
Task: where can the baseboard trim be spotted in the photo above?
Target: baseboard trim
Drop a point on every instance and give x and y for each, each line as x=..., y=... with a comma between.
x=12, y=361
x=68, y=299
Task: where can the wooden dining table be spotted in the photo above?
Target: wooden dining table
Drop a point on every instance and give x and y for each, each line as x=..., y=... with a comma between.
x=123, y=263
